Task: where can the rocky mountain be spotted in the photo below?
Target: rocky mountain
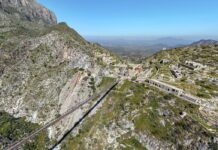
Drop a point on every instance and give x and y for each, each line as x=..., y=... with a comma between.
x=27, y=9
x=39, y=64
x=205, y=42
x=47, y=68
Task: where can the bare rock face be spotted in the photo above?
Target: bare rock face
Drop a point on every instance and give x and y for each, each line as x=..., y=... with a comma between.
x=28, y=9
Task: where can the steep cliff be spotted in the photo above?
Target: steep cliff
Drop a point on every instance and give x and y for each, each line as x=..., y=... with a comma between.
x=27, y=9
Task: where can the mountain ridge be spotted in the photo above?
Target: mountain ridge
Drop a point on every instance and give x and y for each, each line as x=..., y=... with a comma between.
x=205, y=42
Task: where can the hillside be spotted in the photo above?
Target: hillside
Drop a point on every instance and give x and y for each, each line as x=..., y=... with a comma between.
x=196, y=66
x=193, y=69
x=39, y=63
x=137, y=115
x=46, y=68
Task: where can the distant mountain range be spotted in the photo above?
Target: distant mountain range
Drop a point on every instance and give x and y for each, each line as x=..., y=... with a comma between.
x=144, y=47
x=173, y=42
x=135, y=45
x=139, y=41
x=205, y=42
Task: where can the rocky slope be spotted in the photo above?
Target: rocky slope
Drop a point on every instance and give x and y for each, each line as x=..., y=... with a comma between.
x=39, y=64
x=26, y=9
x=137, y=116
x=46, y=68
x=35, y=68
x=193, y=69
x=196, y=66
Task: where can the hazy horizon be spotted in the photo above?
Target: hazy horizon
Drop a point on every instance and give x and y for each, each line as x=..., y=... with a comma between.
x=148, y=38
x=158, y=18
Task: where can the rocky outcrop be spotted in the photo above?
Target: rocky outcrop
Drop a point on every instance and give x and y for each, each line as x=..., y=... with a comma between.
x=39, y=66
x=38, y=74
x=28, y=9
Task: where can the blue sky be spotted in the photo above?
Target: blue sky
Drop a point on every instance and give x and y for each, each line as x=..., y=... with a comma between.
x=138, y=17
